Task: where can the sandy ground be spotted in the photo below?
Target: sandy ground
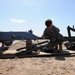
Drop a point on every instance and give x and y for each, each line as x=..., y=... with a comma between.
x=36, y=66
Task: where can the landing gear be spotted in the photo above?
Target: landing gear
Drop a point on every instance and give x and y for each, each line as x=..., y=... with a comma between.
x=30, y=48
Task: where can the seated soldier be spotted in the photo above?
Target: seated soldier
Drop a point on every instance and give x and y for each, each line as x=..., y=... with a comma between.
x=51, y=32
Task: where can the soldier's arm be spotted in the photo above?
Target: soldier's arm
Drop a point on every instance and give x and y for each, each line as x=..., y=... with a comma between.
x=46, y=34
x=57, y=30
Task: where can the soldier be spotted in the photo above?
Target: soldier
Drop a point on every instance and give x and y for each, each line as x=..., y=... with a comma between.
x=52, y=32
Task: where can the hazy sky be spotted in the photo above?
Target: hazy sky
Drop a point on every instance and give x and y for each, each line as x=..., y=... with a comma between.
x=22, y=15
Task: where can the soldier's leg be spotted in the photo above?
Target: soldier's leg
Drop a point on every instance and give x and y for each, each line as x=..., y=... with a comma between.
x=60, y=39
x=56, y=47
x=60, y=47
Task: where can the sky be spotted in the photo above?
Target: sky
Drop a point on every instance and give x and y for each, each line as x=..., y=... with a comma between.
x=23, y=15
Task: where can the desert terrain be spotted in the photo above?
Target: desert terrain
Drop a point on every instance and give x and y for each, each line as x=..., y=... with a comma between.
x=57, y=65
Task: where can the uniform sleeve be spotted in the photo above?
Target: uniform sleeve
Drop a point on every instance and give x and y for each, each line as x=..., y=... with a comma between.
x=47, y=34
x=56, y=31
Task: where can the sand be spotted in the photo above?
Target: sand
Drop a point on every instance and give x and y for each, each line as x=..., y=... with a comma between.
x=59, y=65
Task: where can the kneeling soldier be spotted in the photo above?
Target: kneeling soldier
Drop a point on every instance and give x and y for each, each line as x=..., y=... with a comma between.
x=52, y=32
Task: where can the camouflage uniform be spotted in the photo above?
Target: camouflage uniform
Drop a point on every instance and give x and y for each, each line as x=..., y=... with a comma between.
x=53, y=34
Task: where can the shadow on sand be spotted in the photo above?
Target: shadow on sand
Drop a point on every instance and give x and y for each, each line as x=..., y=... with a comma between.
x=23, y=54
